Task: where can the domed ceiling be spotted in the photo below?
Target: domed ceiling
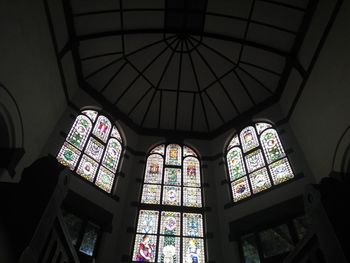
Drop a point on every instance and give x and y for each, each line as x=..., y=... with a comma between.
x=191, y=66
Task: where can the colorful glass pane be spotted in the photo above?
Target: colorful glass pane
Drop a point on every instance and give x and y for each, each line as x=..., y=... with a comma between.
x=173, y=154
x=91, y=114
x=115, y=134
x=159, y=149
x=254, y=161
x=234, y=142
x=281, y=171
x=169, y=249
x=235, y=163
x=68, y=156
x=272, y=145
x=150, y=194
x=79, y=132
x=261, y=126
x=189, y=152
x=148, y=222
x=171, y=195
x=192, y=197
x=87, y=168
x=240, y=189
x=154, y=169
x=192, y=225
x=249, y=139
x=193, y=250
x=172, y=176
x=94, y=149
x=145, y=248
x=102, y=128
x=191, y=172
x=170, y=223
x=89, y=240
x=260, y=180
x=112, y=155
x=105, y=179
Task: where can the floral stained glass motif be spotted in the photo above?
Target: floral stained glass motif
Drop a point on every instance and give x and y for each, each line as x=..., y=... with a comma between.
x=159, y=149
x=192, y=197
x=234, y=142
x=249, y=139
x=171, y=195
x=261, y=126
x=151, y=194
x=173, y=155
x=192, y=225
x=148, y=222
x=105, y=179
x=87, y=168
x=272, y=145
x=172, y=176
x=240, y=189
x=254, y=161
x=235, y=163
x=68, y=156
x=193, y=250
x=154, y=169
x=112, y=155
x=145, y=248
x=191, y=172
x=94, y=149
x=102, y=128
x=281, y=171
x=189, y=152
x=115, y=134
x=170, y=223
x=169, y=249
x=260, y=180
x=91, y=114
x=79, y=132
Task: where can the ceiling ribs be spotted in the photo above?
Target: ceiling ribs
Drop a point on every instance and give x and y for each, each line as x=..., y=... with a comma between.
x=178, y=83
x=113, y=77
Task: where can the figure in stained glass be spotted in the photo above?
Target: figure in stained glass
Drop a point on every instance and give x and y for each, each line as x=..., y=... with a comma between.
x=146, y=250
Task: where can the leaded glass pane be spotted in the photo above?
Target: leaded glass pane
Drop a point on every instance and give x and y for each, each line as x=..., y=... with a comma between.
x=260, y=180
x=261, y=126
x=171, y=195
x=170, y=223
x=102, y=128
x=192, y=225
x=240, y=189
x=193, y=250
x=88, y=243
x=148, y=222
x=95, y=149
x=79, y=132
x=254, y=161
x=272, y=145
x=151, y=194
x=250, y=249
x=249, y=139
x=281, y=171
x=105, y=179
x=192, y=197
x=172, y=176
x=145, y=248
x=301, y=226
x=74, y=225
x=191, y=172
x=234, y=142
x=91, y=114
x=112, y=155
x=173, y=154
x=154, y=169
x=235, y=163
x=169, y=249
x=87, y=168
x=115, y=134
x=159, y=149
x=188, y=152
x=68, y=156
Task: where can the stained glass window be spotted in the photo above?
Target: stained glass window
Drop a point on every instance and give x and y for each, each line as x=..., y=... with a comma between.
x=256, y=160
x=95, y=156
x=172, y=178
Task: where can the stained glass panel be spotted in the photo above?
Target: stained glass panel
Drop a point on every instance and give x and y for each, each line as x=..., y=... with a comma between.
x=272, y=145
x=145, y=248
x=192, y=225
x=235, y=163
x=87, y=168
x=159, y=149
x=170, y=223
x=193, y=250
x=154, y=169
x=115, y=134
x=150, y=194
x=88, y=243
x=249, y=139
x=171, y=195
x=68, y=156
x=189, y=152
x=91, y=114
x=112, y=155
x=261, y=126
x=192, y=197
x=191, y=172
x=102, y=128
x=173, y=154
x=234, y=142
x=148, y=222
x=260, y=180
x=254, y=161
x=250, y=249
x=281, y=171
x=240, y=189
x=105, y=179
x=94, y=149
x=172, y=176
x=79, y=132
x=169, y=249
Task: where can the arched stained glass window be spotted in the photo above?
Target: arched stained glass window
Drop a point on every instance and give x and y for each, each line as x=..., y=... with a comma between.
x=256, y=161
x=170, y=225
x=92, y=149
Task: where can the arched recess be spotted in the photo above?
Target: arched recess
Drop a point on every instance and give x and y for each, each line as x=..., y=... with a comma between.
x=341, y=157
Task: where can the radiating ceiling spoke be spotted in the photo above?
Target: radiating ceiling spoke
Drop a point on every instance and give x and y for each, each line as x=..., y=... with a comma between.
x=101, y=55
x=139, y=100
x=260, y=67
x=178, y=83
x=113, y=77
x=256, y=80
x=244, y=87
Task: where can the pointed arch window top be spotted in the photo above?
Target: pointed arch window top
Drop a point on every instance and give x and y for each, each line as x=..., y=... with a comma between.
x=173, y=155
x=92, y=114
x=249, y=139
